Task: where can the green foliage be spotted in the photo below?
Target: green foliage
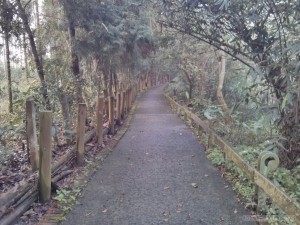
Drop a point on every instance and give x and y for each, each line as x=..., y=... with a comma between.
x=4, y=154
x=240, y=183
x=249, y=154
x=245, y=190
x=275, y=216
x=66, y=199
x=216, y=157
x=262, y=35
x=289, y=180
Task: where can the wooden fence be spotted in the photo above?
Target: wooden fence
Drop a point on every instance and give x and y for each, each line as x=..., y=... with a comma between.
x=287, y=204
x=116, y=108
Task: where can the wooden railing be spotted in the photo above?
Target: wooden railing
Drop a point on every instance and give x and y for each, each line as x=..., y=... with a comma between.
x=279, y=197
x=115, y=108
x=40, y=185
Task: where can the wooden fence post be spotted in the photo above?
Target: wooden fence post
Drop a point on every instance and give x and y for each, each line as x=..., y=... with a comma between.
x=99, y=116
x=45, y=156
x=127, y=101
x=32, y=143
x=185, y=116
x=130, y=97
x=122, y=105
x=118, y=106
x=80, y=133
x=134, y=91
x=111, y=115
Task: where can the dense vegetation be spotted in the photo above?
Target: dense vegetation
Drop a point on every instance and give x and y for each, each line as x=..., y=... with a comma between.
x=60, y=53
x=234, y=63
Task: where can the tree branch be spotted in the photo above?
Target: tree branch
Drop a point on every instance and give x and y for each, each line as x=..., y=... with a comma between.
x=209, y=41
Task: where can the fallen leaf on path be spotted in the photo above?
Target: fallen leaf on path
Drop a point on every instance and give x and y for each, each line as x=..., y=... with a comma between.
x=235, y=211
x=166, y=188
x=188, y=216
x=195, y=185
x=179, y=208
x=166, y=220
x=105, y=210
x=206, y=175
x=193, y=155
x=90, y=144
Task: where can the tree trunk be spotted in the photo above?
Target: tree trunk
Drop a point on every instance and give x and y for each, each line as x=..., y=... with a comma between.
x=25, y=56
x=191, y=83
x=220, y=97
x=110, y=87
x=65, y=108
x=8, y=70
x=202, y=85
x=190, y=90
x=38, y=36
x=38, y=63
x=75, y=61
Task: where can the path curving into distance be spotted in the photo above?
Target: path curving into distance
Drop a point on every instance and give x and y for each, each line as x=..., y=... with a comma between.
x=148, y=179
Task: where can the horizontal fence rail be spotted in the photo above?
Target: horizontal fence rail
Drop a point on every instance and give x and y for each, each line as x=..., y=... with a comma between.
x=287, y=204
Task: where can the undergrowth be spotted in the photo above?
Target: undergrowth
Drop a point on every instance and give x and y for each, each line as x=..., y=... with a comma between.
x=246, y=189
x=249, y=135
x=66, y=199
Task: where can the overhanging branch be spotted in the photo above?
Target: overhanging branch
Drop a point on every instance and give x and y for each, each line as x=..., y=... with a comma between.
x=210, y=42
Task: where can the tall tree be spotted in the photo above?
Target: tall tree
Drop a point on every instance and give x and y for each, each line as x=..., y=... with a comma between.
x=71, y=14
x=220, y=97
x=6, y=19
x=260, y=34
x=25, y=53
x=38, y=63
x=8, y=69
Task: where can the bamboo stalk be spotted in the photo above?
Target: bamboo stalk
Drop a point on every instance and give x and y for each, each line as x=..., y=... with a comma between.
x=10, y=218
x=20, y=203
x=61, y=175
x=71, y=154
x=13, y=200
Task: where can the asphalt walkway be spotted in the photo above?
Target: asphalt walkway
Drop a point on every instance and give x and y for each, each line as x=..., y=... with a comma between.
x=157, y=174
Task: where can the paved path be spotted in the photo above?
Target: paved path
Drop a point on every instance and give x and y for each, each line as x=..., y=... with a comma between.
x=147, y=178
